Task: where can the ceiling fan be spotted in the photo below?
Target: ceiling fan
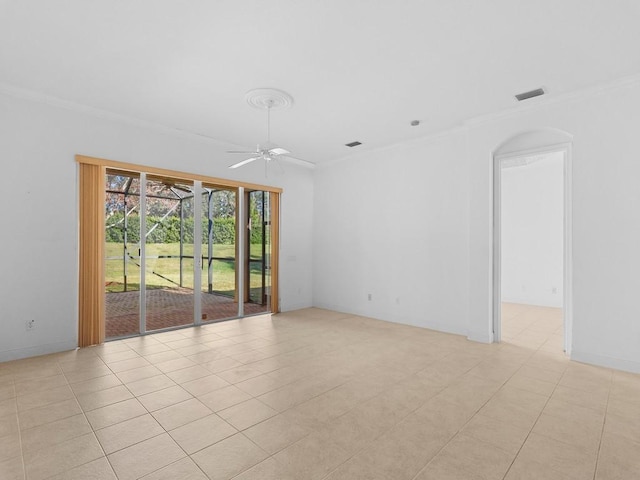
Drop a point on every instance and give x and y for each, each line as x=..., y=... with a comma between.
x=267, y=99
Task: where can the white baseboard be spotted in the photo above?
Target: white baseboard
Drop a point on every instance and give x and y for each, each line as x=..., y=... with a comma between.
x=482, y=337
x=604, y=361
x=442, y=327
x=328, y=306
x=294, y=306
x=19, y=353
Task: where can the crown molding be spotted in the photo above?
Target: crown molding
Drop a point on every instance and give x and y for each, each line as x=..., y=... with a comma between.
x=37, y=97
x=532, y=105
x=537, y=103
x=428, y=138
x=546, y=101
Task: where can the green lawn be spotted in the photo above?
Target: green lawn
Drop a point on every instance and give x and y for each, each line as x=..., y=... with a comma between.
x=163, y=272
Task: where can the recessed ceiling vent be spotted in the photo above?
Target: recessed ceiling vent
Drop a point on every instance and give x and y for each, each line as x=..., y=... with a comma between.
x=353, y=144
x=530, y=94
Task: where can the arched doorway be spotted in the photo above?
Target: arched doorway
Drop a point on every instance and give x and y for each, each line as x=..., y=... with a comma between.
x=523, y=150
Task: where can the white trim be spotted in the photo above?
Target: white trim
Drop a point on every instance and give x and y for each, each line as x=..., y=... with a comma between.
x=292, y=307
x=481, y=337
x=431, y=137
x=604, y=361
x=37, y=350
x=241, y=261
x=37, y=97
x=143, y=254
x=496, y=253
x=555, y=147
x=516, y=109
x=197, y=252
x=568, y=250
x=550, y=99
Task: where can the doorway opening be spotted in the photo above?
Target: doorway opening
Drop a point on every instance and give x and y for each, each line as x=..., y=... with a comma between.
x=173, y=255
x=532, y=218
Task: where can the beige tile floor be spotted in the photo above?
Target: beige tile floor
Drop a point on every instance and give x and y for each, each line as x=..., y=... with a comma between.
x=315, y=394
x=533, y=327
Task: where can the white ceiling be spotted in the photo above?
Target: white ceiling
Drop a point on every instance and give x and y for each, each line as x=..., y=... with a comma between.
x=357, y=69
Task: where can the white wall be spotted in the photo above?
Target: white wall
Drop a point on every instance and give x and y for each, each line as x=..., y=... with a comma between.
x=39, y=246
x=414, y=222
x=532, y=208
x=606, y=227
x=393, y=224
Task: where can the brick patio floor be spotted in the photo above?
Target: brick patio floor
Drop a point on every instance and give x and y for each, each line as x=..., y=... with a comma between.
x=167, y=308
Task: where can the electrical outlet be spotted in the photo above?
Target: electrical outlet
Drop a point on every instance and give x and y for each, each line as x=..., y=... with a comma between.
x=30, y=325
x=554, y=290
x=369, y=296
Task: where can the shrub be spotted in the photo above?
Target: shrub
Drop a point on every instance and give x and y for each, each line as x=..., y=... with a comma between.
x=168, y=230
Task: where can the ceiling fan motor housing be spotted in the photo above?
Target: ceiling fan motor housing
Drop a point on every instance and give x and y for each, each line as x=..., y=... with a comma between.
x=266, y=99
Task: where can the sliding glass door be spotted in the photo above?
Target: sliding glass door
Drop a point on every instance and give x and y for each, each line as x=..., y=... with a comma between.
x=183, y=252
x=122, y=254
x=258, y=254
x=168, y=253
x=219, y=299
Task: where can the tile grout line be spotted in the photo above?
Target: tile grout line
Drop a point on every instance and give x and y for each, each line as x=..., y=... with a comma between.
x=532, y=427
x=604, y=422
x=467, y=422
x=24, y=465
x=148, y=413
x=407, y=415
x=84, y=414
x=168, y=432
x=335, y=363
x=480, y=408
x=539, y=415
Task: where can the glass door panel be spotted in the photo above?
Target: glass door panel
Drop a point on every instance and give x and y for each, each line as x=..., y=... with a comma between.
x=219, y=295
x=122, y=255
x=257, y=298
x=173, y=252
x=169, y=253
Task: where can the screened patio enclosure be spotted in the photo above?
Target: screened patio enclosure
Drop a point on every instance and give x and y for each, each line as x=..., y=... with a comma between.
x=173, y=256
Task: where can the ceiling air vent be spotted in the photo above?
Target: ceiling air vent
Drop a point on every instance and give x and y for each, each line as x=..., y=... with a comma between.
x=352, y=144
x=530, y=94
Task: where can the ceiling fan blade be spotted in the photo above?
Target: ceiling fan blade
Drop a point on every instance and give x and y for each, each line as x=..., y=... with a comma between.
x=239, y=151
x=278, y=151
x=244, y=162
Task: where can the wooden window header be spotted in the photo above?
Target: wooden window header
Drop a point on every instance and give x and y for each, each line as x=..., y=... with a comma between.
x=134, y=170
